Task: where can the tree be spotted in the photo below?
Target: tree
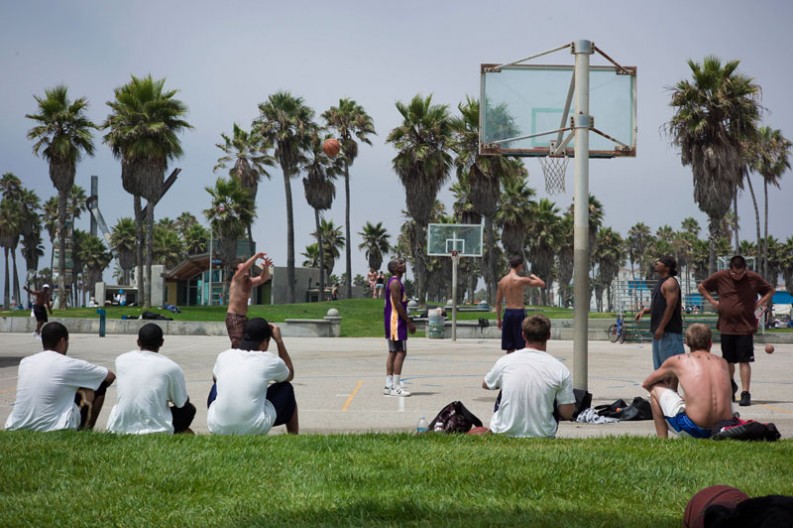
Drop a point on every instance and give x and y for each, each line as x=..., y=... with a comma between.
x=168, y=249
x=639, y=238
x=375, y=244
x=422, y=164
x=248, y=152
x=10, y=229
x=320, y=192
x=513, y=215
x=230, y=211
x=543, y=236
x=124, y=241
x=195, y=239
x=286, y=122
x=715, y=113
x=95, y=258
x=62, y=135
x=786, y=263
x=142, y=132
x=351, y=123
x=771, y=160
x=609, y=257
x=332, y=243
x=482, y=175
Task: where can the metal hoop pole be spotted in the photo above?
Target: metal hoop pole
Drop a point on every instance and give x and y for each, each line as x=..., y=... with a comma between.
x=455, y=261
x=582, y=121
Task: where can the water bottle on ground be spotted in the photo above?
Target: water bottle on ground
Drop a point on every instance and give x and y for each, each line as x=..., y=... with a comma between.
x=422, y=426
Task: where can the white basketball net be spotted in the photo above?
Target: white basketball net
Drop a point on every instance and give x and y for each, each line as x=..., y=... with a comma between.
x=554, y=169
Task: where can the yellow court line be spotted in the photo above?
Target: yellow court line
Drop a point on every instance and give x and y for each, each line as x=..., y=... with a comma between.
x=775, y=408
x=351, y=396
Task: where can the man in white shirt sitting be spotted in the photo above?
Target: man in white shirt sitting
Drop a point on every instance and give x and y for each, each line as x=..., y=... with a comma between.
x=242, y=401
x=57, y=392
x=530, y=380
x=151, y=395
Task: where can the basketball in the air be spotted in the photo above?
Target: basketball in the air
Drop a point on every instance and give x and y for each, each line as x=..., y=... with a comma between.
x=727, y=496
x=769, y=349
x=331, y=147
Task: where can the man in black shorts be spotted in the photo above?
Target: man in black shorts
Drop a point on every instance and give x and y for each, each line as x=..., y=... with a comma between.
x=738, y=290
x=41, y=306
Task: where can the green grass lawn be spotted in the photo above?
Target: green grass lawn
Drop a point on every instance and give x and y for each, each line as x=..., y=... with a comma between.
x=97, y=479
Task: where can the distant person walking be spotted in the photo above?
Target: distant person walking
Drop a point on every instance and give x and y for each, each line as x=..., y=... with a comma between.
x=380, y=284
x=738, y=290
x=510, y=288
x=239, y=293
x=372, y=278
x=397, y=326
x=41, y=305
x=666, y=315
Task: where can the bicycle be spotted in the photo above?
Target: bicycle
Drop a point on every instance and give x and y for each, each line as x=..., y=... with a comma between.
x=617, y=331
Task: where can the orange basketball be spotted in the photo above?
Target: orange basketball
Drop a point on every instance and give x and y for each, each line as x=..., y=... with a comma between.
x=331, y=147
x=727, y=496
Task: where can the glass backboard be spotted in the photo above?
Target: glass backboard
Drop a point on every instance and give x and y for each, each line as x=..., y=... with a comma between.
x=527, y=106
x=466, y=239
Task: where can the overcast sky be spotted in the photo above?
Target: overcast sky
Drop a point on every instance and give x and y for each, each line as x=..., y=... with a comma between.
x=225, y=58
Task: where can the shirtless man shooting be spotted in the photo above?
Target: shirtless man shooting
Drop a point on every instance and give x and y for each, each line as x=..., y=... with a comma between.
x=239, y=293
x=705, y=378
x=41, y=306
x=510, y=287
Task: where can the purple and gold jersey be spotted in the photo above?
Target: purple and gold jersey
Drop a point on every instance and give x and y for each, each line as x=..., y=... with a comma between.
x=396, y=329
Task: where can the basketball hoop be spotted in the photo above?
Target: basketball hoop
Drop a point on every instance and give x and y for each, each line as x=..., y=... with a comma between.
x=554, y=167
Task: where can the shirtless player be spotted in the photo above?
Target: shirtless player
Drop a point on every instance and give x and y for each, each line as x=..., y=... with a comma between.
x=239, y=293
x=510, y=287
x=705, y=378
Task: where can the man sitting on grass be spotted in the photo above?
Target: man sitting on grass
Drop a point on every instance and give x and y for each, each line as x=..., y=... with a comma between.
x=57, y=392
x=531, y=380
x=704, y=378
x=242, y=401
x=147, y=383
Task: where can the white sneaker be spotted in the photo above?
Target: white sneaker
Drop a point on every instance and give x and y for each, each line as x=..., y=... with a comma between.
x=400, y=391
x=387, y=390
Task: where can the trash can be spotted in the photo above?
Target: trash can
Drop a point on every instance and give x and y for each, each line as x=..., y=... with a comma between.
x=102, y=317
x=435, y=324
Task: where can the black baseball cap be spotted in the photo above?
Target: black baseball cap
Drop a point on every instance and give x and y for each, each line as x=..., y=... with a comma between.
x=256, y=331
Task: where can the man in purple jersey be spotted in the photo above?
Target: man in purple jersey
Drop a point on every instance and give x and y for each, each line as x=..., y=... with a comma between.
x=397, y=326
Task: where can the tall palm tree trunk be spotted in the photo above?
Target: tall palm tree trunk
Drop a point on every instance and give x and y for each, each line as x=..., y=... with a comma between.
x=321, y=257
x=491, y=281
x=149, y=251
x=348, y=251
x=735, y=221
x=6, y=289
x=713, y=236
x=62, y=202
x=290, y=240
x=765, y=235
x=139, y=282
x=756, y=218
x=17, y=293
x=420, y=258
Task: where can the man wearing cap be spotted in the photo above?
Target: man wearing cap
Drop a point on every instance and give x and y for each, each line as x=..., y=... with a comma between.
x=56, y=392
x=242, y=399
x=666, y=315
x=741, y=293
x=151, y=395
x=41, y=306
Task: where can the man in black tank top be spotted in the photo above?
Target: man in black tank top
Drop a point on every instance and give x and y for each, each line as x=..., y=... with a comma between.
x=666, y=317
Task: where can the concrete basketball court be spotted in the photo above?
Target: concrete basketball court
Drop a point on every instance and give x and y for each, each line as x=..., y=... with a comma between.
x=339, y=381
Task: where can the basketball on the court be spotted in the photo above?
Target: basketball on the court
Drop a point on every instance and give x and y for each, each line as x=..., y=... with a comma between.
x=769, y=349
x=331, y=147
x=727, y=496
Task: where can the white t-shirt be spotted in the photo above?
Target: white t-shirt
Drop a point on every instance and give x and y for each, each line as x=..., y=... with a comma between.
x=146, y=382
x=241, y=406
x=46, y=387
x=530, y=380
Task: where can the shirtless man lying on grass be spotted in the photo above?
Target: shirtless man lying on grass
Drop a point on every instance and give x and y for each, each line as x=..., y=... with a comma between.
x=705, y=380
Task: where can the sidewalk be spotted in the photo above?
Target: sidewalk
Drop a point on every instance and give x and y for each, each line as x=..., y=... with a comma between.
x=339, y=382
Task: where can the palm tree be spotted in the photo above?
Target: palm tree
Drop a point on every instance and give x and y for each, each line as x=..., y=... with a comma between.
x=786, y=263
x=716, y=113
x=482, y=175
x=168, y=249
x=320, y=192
x=565, y=258
x=124, y=241
x=286, y=122
x=194, y=239
x=95, y=258
x=332, y=243
x=610, y=256
x=543, y=241
x=231, y=211
x=312, y=256
x=639, y=238
x=26, y=202
x=10, y=230
x=247, y=154
x=62, y=135
x=142, y=133
x=771, y=160
x=375, y=244
x=351, y=123
x=422, y=164
x=513, y=215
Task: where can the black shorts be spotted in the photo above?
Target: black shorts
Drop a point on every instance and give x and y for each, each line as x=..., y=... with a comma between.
x=737, y=348
x=282, y=396
x=40, y=312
